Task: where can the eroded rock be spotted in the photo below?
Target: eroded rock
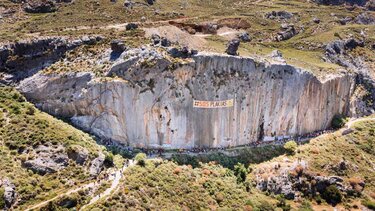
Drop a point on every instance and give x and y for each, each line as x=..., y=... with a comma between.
x=10, y=194
x=40, y=6
x=232, y=47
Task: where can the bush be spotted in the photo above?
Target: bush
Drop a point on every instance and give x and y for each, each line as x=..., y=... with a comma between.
x=141, y=159
x=305, y=206
x=332, y=195
x=282, y=203
x=369, y=204
x=290, y=147
x=338, y=121
x=240, y=171
x=108, y=161
x=2, y=201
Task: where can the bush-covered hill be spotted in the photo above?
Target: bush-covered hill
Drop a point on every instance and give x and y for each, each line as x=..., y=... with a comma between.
x=40, y=155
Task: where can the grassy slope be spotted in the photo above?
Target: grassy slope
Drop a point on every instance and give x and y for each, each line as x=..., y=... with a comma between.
x=304, y=50
x=24, y=126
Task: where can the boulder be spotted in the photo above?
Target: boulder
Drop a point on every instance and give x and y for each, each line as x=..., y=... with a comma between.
x=288, y=31
x=43, y=6
x=370, y=5
x=131, y=26
x=365, y=18
x=78, y=154
x=279, y=15
x=150, y=2
x=244, y=37
x=316, y=20
x=182, y=52
x=128, y=4
x=232, y=47
x=118, y=46
x=97, y=165
x=10, y=194
x=345, y=20
x=165, y=42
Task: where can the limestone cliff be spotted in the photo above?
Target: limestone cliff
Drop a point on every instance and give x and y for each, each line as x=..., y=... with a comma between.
x=149, y=102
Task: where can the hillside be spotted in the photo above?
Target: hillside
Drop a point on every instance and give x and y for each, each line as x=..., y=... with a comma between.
x=41, y=156
x=187, y=105
x=165, y=185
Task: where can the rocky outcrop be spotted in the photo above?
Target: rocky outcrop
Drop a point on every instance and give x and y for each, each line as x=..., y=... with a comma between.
x=78, y=154
x=97, y=165
x=44, y=6
x=151, y=102
x=339, y=2
x=10, y=194
x=297, y=181
x=279, y=15
x=232, y=47
x=338, y=52
x=47, y=159
x=25, y=58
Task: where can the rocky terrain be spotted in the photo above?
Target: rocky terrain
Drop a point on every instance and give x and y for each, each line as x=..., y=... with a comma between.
x=214, y=88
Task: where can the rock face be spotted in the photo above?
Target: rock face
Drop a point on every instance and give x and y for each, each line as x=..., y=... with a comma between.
x=337, y=52
x=25, y=58
x=152, y=104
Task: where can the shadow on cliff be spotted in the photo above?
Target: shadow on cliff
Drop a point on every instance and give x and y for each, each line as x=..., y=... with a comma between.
x=230, y=158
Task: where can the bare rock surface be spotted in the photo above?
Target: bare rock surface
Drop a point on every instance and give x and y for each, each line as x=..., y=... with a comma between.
x=151, y=102
x=47, y=159
x=97, y=165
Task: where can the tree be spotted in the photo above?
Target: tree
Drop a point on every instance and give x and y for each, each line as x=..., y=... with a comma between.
x=240, y=171
x=141, y=159
x=332, y=195
x=338, y=121
x=290, y=147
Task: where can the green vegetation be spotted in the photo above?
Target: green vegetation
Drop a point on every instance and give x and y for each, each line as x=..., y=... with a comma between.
x=2, y=200
x=332, y=195
x=24, y=127
x=164, y=185
x=290, y=147
x=243, y=155
x=141, y=159
x=338, y=121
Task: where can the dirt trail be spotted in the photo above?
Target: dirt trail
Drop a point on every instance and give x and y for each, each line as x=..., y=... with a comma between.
x=115, y=182
x=44, y=203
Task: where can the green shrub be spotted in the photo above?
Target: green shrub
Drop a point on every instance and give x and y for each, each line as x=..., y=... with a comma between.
x=282, y=203
x=338, y=121
x=108, y=161
x=265, y=206
x=240, y=171
x=332, y=195
x=2, y=200
x=369, y=204
x=290, y=147
x=305, y=206
x=141, y=159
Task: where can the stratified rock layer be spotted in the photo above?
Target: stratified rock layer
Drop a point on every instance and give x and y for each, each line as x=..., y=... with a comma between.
x=152, y=105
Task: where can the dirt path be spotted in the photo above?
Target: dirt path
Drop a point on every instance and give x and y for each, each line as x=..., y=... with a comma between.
x=114, y=186
x=353, y=121
x=44, y=203
x=115, y=182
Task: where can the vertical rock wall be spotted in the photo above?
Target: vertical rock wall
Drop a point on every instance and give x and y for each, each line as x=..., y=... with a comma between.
x=154, y=107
